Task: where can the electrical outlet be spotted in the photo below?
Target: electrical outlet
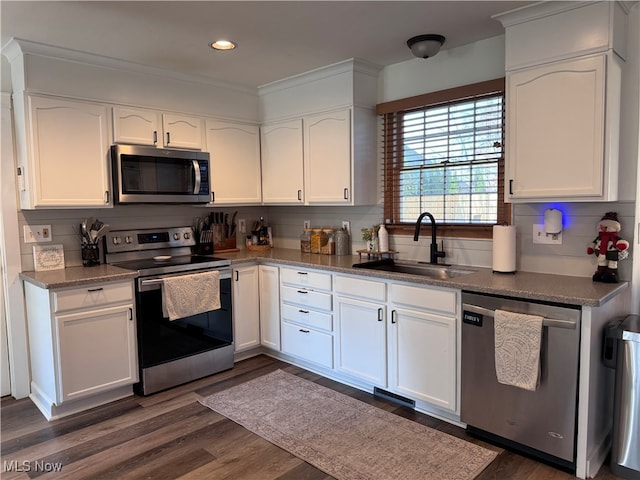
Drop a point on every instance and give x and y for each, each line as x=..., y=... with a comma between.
x=37, y=233
x=307, y=224
x=539, y=236
x=346, y=224
x=242, y=226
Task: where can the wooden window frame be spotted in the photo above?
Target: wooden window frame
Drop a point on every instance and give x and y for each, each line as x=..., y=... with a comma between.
x=448, y=96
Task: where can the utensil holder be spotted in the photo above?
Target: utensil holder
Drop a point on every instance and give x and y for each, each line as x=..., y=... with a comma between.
x=90, y=254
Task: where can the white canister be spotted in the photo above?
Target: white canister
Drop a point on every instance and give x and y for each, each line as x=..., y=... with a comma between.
x=383, y=238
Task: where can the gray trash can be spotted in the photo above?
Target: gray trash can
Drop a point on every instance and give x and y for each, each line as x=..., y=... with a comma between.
x=622, y=352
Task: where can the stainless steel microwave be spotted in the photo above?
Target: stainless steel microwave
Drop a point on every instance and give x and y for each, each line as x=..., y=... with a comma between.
x=154, y=175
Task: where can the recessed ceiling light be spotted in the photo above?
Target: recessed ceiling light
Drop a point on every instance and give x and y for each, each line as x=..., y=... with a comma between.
x=223, y=45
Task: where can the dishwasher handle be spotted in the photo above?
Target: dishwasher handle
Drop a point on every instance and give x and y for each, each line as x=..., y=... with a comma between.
x=547, y=322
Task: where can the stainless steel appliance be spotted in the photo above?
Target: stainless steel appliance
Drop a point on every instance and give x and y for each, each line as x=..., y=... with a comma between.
x=173, y=352
x=541, y=422
x=622, y=352
x=154, y=175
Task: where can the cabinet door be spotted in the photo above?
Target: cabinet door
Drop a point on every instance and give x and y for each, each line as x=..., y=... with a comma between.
x=361, y=340
x=96, y=351
x=282, y=163
x=555, y=123
x=269, y=306
x=135, y=126
x=70, y=152
x=180, y=131
x=422, y=363
x=327, y=153
x=235, y=162
x=246, y=313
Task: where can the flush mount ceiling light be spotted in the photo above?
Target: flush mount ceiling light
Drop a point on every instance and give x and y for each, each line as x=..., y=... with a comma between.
x=223, y=45
x=425, y=46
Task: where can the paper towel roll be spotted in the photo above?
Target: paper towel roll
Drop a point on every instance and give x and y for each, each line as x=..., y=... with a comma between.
x=504, y=248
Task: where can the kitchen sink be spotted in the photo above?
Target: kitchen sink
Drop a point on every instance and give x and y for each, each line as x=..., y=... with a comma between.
x=441, y=272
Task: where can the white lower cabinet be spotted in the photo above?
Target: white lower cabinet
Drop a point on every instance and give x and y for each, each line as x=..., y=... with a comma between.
x=422, y=344
x=269, y=280
x=411, y=351
x=82, y=343
x=361, y=332
x=246, y=308
x=307, y=315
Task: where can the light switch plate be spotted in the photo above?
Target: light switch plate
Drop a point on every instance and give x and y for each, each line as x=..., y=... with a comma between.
x=539, y=236
x=37, y=233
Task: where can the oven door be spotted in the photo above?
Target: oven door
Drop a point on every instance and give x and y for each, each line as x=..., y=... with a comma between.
x=161, y=341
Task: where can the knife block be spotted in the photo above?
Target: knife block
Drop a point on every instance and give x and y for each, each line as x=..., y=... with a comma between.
x=225, y=244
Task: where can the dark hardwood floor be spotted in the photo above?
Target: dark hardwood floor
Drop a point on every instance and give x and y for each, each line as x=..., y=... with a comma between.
x=170, y=435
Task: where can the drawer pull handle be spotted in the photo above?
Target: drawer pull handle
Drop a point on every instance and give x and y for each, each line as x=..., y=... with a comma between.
x=304, y=331
x=303, y=273
x=304, y=311
x=91, y=290
x=302, y=291
x=380, y=314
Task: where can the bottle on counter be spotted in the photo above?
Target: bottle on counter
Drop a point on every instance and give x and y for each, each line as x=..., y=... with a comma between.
x=305, y=241
x=383, y=239
x=342, y=242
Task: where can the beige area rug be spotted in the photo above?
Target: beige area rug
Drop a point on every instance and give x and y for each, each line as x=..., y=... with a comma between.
x=344, y=437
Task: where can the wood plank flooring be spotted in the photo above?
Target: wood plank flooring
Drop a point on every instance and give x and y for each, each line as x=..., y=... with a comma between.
x=169, y=435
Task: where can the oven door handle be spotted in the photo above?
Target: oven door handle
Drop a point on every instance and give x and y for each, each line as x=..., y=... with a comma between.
x=547, y=322
x=156, y=283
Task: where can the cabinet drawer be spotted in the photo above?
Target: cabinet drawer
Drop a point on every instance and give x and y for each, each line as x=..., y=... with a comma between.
x=90, y=296
x=358, y=287
x=307, y=298
x=311, y=318
x=427, y=298
x=308, y=344
x=309, y=279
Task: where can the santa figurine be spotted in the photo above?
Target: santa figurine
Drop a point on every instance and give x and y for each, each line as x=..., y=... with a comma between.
x=608, y=248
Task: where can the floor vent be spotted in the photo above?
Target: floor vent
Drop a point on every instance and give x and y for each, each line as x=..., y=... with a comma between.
x=405, y=402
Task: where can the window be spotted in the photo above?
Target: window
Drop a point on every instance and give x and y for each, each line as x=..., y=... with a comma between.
x=443, y=153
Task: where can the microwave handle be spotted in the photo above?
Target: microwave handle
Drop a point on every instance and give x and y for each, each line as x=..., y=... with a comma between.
x=196, y=169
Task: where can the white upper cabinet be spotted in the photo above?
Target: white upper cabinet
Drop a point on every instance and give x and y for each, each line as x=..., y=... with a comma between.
x=63, y=152
x=181, y=131
x=564, y=70
x=327, y=155
x=282, y=162
x=319, y=137
x=235, y=162
x=136, y=126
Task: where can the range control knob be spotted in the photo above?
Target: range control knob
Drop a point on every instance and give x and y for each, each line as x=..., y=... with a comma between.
x=176, y=236
x=116, y=240
x=128, y=239
x=187, y=235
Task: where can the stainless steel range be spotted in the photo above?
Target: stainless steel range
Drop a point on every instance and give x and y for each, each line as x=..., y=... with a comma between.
x=173, y=352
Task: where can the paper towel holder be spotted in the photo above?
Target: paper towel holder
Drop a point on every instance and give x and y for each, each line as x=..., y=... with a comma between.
x=553, y=222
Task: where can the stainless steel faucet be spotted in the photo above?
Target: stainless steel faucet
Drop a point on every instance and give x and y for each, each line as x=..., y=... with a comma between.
x=434, y=254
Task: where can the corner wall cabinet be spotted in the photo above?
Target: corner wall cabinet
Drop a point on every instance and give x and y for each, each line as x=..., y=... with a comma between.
x=563, y=100
x=563, y=128
x=235, y=162
x=141, y=127
x=82, y=346
x=63, y=150
x=246, y=308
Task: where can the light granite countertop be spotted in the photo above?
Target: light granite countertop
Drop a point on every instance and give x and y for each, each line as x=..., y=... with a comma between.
x=525, y=285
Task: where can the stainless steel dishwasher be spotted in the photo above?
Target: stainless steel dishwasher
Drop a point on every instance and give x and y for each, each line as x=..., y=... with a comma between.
x=541, y=423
